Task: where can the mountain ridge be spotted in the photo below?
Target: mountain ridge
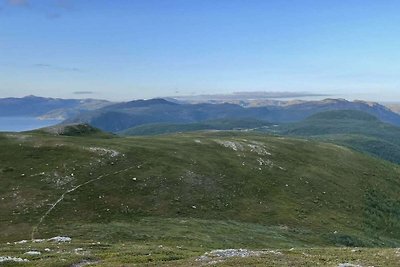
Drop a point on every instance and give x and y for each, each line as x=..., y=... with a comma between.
x=123, y=116
x=47, y=107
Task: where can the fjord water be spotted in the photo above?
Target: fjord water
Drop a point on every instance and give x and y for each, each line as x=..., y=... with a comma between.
x=18, y=124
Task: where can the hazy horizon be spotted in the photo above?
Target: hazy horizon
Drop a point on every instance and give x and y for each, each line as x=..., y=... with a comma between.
x=289, y=97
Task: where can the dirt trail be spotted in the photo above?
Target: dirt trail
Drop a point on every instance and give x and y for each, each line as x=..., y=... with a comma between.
x=36, y=227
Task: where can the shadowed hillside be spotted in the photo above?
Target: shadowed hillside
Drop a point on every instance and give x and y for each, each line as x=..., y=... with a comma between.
x=354, y=129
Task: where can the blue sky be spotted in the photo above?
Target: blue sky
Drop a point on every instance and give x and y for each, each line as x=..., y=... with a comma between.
x=140, y=49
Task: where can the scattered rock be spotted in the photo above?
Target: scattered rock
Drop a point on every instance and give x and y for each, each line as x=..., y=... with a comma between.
x=348, y=265
x=229, y=144
x=12, y=259
x=220, y=255
x=84, y=263
x=60, y=239
x=259, y=149
x=104, y=151
x=265, y=162
x=21, y=242
x=33, y=253
x=79, y=251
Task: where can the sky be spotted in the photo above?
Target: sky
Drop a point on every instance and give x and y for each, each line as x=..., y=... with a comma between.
x=128, y=49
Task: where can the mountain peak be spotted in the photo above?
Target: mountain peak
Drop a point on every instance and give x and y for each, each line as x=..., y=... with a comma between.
x=153, y=101
x=33, y=97
x=144, y=103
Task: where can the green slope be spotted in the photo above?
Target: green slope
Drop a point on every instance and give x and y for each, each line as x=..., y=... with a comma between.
x=354, y=129
x=222, y=176
x=73, y=130
x=167, y=128
x=199, y=191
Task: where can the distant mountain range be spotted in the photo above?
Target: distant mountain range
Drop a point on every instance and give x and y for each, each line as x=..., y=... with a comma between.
x=244, y=98
x=117, y=117
x=47, y=108
x=121, y=116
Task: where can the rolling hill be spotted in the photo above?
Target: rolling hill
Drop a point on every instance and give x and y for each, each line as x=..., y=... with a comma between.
x=169, y=199
x=73, y=130
x=355, y=129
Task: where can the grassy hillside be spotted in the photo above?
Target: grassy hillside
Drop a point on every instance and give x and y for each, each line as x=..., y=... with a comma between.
x=167, y=128
x=354, y=129
x=169, y=199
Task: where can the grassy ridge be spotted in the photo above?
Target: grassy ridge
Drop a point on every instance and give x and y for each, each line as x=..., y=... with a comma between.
x=201, y=191
x=219, y=176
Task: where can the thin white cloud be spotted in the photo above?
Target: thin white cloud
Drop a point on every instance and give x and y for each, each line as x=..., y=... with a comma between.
x=83, y=92
x=18, y=2
x=53, y=10
x=56, y=68
x=64, y=4
x=61, y=7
